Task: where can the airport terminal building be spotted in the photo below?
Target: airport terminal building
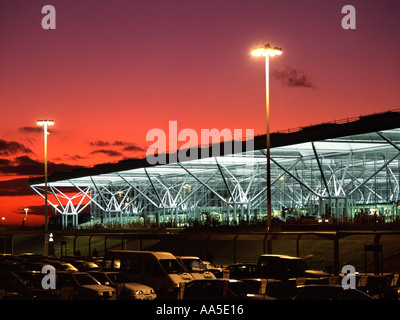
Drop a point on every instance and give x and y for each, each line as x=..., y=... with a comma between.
x=339, y=171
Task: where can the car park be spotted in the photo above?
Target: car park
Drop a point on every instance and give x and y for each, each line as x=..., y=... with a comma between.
x=195, y=267
x=125, y=289
x=220, y=289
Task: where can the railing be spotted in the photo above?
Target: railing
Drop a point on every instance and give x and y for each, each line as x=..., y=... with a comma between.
x=339, y=121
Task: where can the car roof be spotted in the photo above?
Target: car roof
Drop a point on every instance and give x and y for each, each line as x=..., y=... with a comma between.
x=157, y=254
x=216, y=280
x=280, y=256
x=260, y=279
x=71, y=272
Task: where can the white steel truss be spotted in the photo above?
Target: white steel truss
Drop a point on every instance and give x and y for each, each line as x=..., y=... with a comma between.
x=338, y=177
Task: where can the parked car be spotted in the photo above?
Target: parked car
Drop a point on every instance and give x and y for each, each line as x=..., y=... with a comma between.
x=241, y=270
x=284, y=267
x=329, y=292
x=82, y=286
x=60, y=265
x=11, y=265
x=83, y=265
x=215, y=270
x=195, y=267
x=274, y=288
x=395, y=283
x=125, y=289
x=13, y=287
x=300, y=281
x=378, y=286
x=220, y=289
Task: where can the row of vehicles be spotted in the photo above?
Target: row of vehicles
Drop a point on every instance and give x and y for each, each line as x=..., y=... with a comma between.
x=286, y=277
x=149, y=275
x=120, y=275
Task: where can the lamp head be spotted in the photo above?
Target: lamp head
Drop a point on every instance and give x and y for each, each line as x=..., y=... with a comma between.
x=42, y=122
x=266, y=50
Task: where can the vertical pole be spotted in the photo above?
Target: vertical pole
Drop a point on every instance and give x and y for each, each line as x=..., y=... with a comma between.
x=46, y=226
x=234, y=248
x=336, y=254
x=269, y=243
x=268, y=144
x=298, y=246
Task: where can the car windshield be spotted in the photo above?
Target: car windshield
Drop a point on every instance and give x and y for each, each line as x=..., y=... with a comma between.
x=291, y=265
x=240, y=288
x=101, y=277
x=298, y=264
x=171, y=266
x=194, y=265
x=118, y=278
x=85, y=279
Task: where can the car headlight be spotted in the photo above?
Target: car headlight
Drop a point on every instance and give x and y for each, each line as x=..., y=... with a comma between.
x=135, y=292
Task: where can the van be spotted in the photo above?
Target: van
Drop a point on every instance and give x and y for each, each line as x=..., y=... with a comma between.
x=284, y=267
x=159, y=270
x=195, y=267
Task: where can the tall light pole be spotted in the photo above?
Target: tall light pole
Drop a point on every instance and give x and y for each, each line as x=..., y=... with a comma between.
x=45, y=124
x=267, y=51
x=26, y=216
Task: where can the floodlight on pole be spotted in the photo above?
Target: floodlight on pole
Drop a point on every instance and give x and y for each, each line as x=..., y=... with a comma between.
x=26, y=215
x=45, y=124
x=267, y=51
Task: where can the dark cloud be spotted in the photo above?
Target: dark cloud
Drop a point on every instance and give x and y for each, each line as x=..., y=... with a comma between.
x=125, y=146
x=76, y=157
x=24, y=165
x=99, y=143
x=110, y=153
x=293, y=78
x=8, y=148
x=120, y=143
x=128, y=146
x=4, y=162
x=31, y=130
x=133, y=148
x=15, y=187
x=35, y=130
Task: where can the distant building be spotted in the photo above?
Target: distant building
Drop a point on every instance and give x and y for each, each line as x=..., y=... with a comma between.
x=337, y=171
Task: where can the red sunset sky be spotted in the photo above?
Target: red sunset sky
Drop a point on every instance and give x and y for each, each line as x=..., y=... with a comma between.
x=113, y=70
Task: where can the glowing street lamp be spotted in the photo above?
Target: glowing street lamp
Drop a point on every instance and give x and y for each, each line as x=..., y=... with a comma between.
x=45, y=124
x=267, y=51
